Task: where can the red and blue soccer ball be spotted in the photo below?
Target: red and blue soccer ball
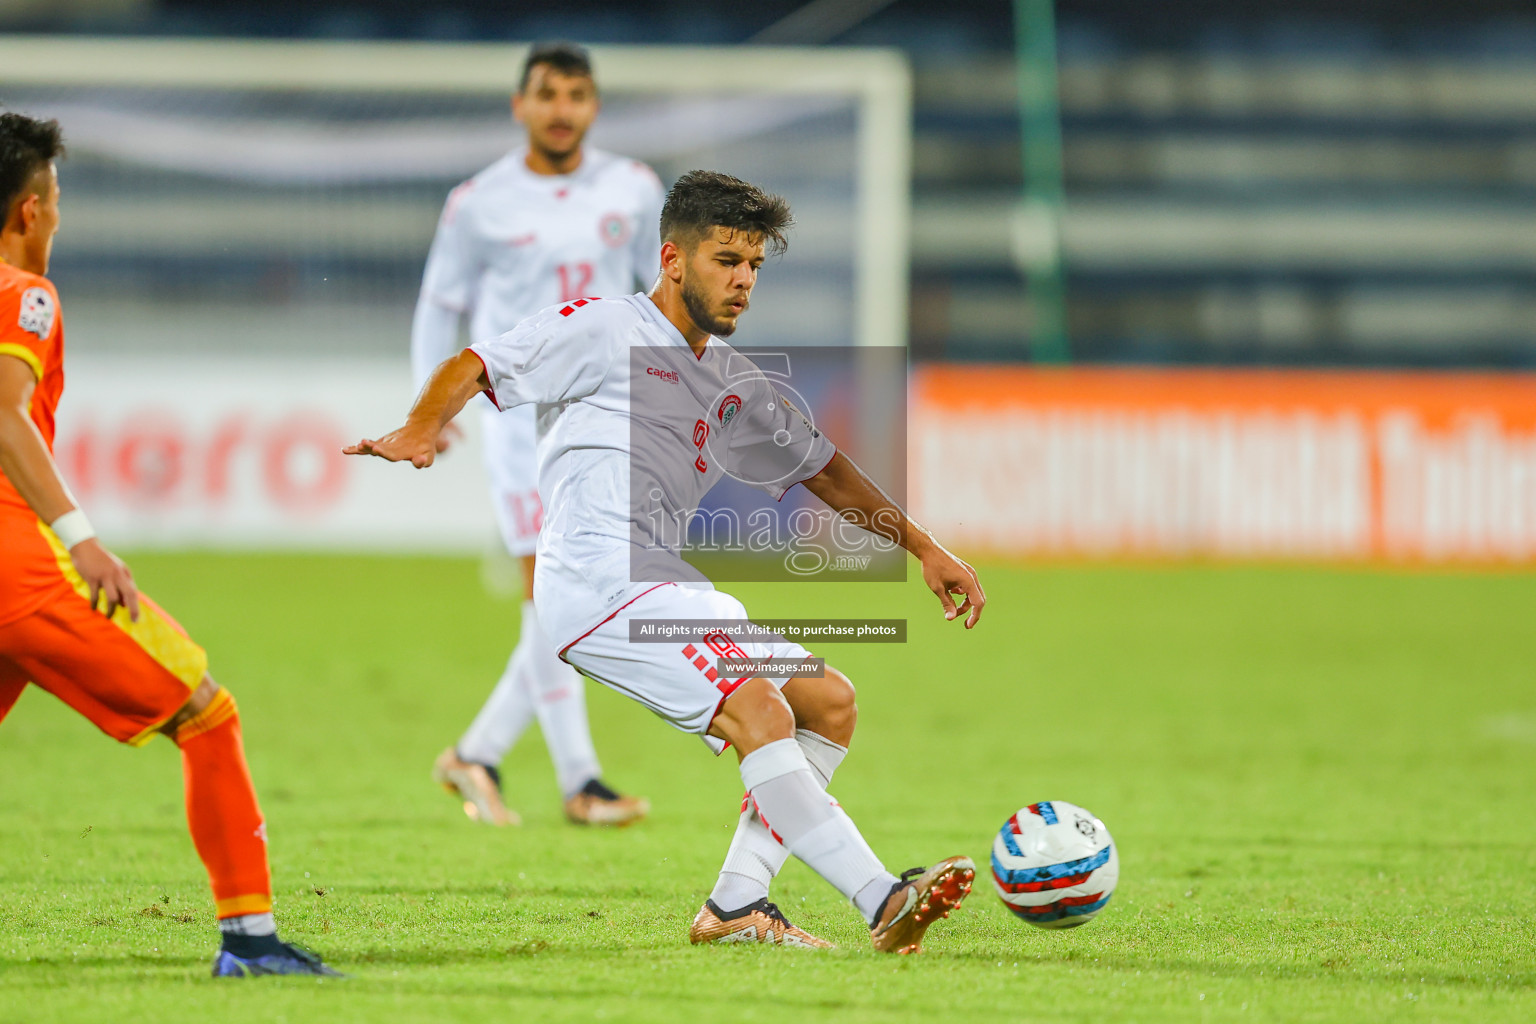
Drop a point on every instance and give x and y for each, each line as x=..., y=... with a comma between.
x=1054, y=864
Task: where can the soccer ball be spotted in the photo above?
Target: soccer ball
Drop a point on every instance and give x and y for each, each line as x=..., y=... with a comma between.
x=1054, y=864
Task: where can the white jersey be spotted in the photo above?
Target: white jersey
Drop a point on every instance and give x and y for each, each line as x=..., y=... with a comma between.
x=634, y=430
x=511, y=242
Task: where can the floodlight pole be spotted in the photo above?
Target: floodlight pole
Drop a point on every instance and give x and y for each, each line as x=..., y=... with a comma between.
x=1037, y=220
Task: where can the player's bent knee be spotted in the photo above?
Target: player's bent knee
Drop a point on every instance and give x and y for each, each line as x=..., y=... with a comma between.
x=825, y=705
x=839, y=691
x=201, y=697
x=842, y=702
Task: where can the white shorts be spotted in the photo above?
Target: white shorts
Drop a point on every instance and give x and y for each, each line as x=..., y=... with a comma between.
x=675, y=679
x=508, y=440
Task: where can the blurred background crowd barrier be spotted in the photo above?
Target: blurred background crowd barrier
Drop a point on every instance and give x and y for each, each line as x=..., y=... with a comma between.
x=1288, y=250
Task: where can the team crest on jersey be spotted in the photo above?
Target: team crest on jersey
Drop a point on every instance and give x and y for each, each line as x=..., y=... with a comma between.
x=614, y=228
x=37, y=311
x=729, y=407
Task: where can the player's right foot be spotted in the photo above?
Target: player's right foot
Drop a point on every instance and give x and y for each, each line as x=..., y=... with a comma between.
x=279, y=958
x=596, y=804
x=921, y=897
x=755, y=922
x=475, y=784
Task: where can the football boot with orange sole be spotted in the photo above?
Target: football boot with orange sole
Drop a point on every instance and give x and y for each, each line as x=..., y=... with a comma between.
x=921, y=897
x=477, y=785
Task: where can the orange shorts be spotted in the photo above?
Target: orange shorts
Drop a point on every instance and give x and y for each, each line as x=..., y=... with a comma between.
x=127, y=677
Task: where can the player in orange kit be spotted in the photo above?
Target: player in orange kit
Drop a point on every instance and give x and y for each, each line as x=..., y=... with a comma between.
x=71, y=620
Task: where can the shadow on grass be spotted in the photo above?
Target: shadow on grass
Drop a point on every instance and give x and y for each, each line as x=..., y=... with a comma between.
x=379, y=971
x=526, y=967
x=677, y=998
x=16, y=969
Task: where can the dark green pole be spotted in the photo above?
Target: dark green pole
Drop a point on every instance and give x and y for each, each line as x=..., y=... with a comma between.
x=1037, y=225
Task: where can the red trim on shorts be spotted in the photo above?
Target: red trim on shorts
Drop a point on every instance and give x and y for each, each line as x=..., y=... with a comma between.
x=813, y=476
x=611, y=614
x=490, y=392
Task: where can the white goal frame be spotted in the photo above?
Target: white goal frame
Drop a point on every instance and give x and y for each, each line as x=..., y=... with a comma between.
x=879, y=80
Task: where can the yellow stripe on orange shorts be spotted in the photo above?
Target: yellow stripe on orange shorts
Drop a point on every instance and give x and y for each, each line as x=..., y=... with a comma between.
x=156, y=632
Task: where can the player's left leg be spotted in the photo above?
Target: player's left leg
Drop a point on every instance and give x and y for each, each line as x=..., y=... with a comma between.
x=560, y=701
x=825, y=716
x=758, y=721
x=536, y=682
x=535, y=685
x=230, y=836
x=470, y=768
x=136, y=679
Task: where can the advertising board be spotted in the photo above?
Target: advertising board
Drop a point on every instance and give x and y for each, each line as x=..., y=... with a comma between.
x=1307, y=464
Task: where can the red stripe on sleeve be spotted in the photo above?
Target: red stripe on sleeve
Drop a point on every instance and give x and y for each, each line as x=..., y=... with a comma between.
x=489, y=392
x=814, y=475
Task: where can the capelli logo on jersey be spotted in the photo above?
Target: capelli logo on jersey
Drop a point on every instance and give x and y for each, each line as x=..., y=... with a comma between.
x=666, y=375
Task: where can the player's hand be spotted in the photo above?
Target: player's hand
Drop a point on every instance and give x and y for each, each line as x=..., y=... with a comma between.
x=410, y=443
x=452, y=434
x=947, y=576
x=107, y=577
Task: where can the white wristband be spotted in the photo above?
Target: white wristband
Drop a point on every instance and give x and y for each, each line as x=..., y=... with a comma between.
x=72, y=528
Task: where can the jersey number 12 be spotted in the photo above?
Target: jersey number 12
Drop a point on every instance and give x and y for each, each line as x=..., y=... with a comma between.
x=574, y=279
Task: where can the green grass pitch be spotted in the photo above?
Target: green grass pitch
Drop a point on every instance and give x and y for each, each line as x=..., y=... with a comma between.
x=1323, y=784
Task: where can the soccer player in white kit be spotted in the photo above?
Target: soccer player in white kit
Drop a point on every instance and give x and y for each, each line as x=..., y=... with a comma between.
x=629, y=399
x=551, y=221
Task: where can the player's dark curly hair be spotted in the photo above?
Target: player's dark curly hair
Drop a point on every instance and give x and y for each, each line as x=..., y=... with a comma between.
x=27, y=145
x=566, y=58
x=703, y=200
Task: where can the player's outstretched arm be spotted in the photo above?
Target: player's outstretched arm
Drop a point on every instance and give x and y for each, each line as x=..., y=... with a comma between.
x=31, y=470
x=858, y=499
x=455, y=381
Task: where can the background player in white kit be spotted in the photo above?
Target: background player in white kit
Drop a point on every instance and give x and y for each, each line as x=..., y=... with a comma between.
x=610, y=429
x=550, y=222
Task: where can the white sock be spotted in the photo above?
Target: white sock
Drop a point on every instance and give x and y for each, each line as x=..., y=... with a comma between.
x=810, y=824
x=248, y=924
x=509, y=709
x=824, y=755
x=750, y=864
x=559, y=696
x=871, y=898
x=755, y=857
